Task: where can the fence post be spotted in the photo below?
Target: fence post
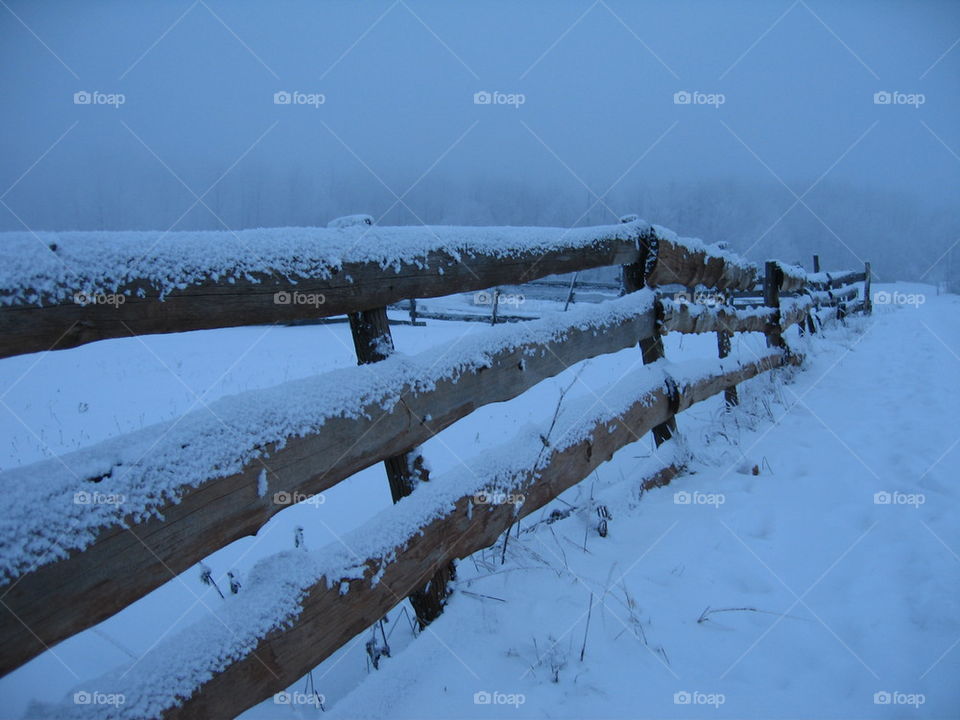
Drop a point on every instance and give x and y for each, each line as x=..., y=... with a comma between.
x=811, y=327
x=651, y=349
x=373, y=342
x=867, y=300
x=496, y=304
x=570, y=293
x=771, y=299
x=723, y=347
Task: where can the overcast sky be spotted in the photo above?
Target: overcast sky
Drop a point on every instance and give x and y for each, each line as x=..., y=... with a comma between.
x=786, y=95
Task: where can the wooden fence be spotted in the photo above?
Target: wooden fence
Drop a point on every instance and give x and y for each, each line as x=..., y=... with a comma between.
x=207, y=481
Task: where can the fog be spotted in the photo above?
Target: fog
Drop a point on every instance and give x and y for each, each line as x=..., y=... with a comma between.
x=784, y=149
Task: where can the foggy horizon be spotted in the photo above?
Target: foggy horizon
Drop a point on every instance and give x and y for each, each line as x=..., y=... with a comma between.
x=782, y=149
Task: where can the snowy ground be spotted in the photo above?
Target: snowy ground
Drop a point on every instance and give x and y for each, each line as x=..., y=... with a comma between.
x=821, y=596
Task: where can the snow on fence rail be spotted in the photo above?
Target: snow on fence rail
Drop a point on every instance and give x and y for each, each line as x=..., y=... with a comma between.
x=210, y=479
x=60, y=290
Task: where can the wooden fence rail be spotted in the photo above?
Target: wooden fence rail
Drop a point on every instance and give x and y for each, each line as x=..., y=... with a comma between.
x=84, y=306
x=251, y=456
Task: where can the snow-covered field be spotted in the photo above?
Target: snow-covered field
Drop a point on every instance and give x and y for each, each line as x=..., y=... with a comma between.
x=794, y=592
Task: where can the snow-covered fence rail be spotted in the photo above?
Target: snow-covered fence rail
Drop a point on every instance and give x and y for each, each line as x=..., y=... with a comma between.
x=828, y=281
x=698, y=318
x=60, y=290
x=212, y=478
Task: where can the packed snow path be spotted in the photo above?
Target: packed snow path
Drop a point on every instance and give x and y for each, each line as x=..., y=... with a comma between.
x=817, y=596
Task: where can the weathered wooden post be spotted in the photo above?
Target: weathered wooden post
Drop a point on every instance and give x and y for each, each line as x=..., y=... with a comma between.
x=771, y=299
x=496, y=304
x=651, y=348
x=570, y=292
x=811, y=325
x=373, y=342
x=723, y=347
x=867, y=300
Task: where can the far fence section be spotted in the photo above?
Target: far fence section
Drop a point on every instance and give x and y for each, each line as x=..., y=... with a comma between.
x=503, y=304
x=87, y=534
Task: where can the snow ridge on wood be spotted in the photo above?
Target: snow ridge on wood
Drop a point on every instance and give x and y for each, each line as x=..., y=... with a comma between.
x=52, y=267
